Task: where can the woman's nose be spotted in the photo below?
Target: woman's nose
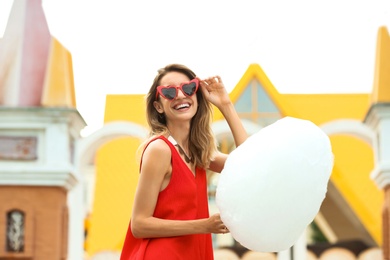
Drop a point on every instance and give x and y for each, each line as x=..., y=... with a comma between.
x=180, y=93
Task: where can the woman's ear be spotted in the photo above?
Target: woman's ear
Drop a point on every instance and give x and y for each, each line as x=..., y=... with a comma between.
x=157, y=105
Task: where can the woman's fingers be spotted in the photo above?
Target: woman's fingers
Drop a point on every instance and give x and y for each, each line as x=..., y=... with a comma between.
x=212, y=80
x=224, y=230
x=219, y=225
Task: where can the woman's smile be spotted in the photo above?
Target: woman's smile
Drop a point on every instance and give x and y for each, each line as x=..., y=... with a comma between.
x=182, y=106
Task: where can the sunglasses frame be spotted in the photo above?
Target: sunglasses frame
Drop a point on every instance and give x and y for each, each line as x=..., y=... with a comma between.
x=159, y=89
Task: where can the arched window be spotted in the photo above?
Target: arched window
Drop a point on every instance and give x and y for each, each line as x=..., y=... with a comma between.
x=15, y=231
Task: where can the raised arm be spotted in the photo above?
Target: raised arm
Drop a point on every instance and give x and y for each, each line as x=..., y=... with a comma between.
x=214, y=91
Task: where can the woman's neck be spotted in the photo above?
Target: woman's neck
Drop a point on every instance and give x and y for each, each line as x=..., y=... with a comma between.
x=180, y=133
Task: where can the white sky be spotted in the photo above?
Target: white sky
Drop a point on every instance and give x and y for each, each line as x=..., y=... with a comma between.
x=304, y=46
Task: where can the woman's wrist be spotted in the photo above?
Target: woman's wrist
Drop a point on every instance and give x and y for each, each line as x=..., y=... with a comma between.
x=226, y=108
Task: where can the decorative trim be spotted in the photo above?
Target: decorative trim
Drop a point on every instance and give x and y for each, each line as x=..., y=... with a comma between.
x=48, y=178
x=87, y=147
x=381, y=174
x=376, y=112
x=350, y=127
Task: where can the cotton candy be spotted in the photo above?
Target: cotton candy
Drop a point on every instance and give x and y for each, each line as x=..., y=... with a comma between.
x=272, y=185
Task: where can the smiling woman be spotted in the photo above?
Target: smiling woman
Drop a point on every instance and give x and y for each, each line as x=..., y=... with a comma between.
x=170, y=217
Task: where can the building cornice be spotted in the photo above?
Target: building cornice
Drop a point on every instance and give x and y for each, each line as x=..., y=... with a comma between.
x=47, y=178
x=376, y=112
x=381, y=174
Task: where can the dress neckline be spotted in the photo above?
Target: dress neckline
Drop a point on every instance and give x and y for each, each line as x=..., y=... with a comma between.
x=187, y=158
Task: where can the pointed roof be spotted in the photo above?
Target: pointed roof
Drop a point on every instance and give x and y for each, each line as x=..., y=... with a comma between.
x=381, y=87
x=58, y=87
x=26, y=39
x=35, y=69
x=254, y=71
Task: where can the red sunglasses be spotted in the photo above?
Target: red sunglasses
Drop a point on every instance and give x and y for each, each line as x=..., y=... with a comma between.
x=170, y=92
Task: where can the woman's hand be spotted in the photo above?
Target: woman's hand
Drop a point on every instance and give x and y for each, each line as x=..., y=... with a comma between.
x=214, y=91
x=215, y=225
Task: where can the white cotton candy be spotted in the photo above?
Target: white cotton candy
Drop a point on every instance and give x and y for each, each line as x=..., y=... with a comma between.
x=274, y=183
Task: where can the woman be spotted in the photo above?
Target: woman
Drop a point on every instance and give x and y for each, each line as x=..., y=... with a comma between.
x=170, y=218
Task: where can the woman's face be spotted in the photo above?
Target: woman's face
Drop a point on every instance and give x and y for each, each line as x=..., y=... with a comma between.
x=182, y=107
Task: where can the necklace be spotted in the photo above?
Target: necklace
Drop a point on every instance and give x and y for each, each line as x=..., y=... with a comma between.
x=181, y=150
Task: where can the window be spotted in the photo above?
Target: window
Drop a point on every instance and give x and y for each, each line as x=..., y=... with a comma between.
x=15, y=231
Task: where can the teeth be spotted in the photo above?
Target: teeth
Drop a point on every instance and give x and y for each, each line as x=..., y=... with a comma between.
x=182, y=106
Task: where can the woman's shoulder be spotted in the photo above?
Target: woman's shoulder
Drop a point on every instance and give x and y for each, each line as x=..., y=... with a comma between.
x=158, y=144
x=156, y=150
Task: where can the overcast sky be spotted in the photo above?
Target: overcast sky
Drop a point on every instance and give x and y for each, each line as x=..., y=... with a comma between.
x=304, y=46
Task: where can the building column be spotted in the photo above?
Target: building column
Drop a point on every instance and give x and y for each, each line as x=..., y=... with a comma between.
x=378, y=118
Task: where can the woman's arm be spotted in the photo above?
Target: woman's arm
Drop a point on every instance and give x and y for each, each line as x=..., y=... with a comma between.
x=155, y=174
x=234, y=122
x=214, y=91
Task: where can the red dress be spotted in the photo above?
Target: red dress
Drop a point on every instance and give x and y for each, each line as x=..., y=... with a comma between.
x=185, y=198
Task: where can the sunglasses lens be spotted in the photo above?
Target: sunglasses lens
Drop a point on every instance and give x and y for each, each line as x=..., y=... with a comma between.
x=169, y=92
x=189, y=89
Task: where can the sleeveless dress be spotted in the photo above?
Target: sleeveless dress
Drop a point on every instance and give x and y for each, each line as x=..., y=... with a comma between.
x=185, y=198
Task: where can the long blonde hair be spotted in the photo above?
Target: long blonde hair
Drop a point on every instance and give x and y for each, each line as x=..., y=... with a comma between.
x=202, y=145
